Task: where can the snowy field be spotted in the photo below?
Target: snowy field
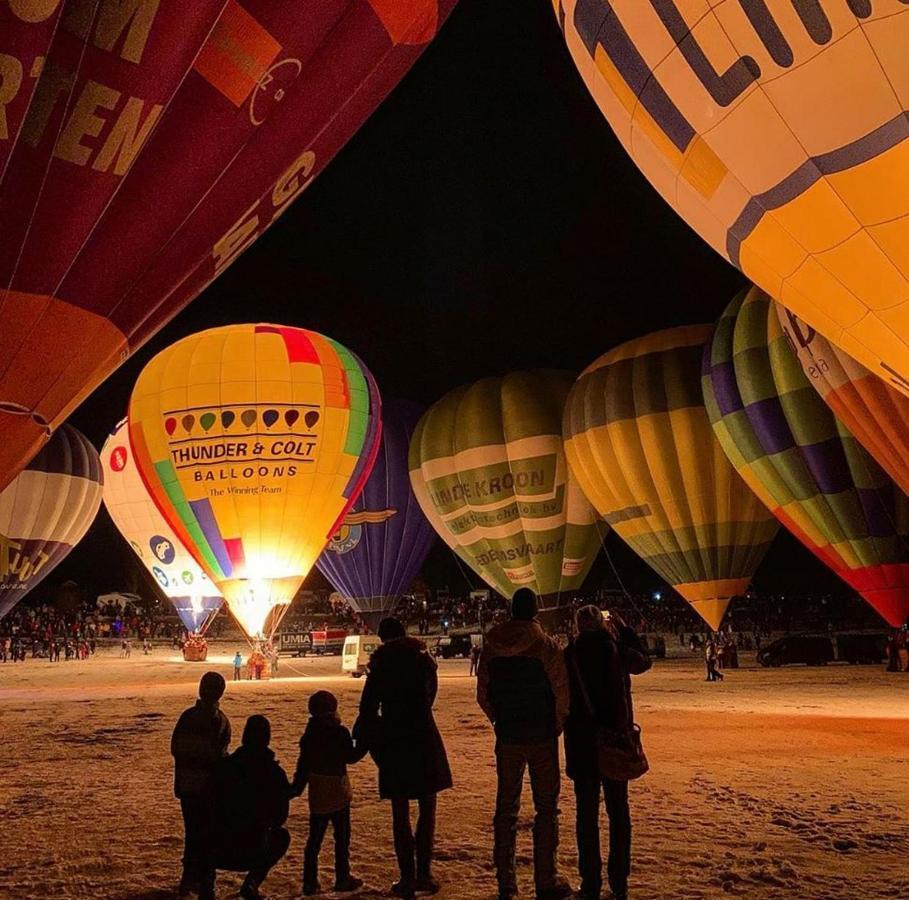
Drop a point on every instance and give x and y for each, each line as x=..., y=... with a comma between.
x=784, y=783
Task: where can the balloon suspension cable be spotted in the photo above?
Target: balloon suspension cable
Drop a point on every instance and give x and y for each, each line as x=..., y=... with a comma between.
x=615, y=571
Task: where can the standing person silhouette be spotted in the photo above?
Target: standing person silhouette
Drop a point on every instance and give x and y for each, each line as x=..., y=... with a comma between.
x=199, y=742
x=397, y=725
x=522, y=686
x=605, y=654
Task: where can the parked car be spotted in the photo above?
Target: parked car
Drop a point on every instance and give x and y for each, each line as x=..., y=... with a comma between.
x=794, y=649
x=861, y=648
x=452, y=646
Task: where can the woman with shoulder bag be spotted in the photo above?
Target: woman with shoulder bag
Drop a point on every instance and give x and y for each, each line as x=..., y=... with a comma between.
x=602, y=743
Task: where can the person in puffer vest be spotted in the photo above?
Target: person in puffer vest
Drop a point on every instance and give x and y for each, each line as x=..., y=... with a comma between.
x=326, y=749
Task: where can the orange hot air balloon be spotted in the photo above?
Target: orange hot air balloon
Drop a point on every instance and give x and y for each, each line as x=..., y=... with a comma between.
x=143, y=147
x=777, y=130
x=874, y=411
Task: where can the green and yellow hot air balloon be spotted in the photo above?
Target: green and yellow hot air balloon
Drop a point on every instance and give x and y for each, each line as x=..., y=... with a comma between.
x=489, y=471
x=638, y=440
x=821, y=484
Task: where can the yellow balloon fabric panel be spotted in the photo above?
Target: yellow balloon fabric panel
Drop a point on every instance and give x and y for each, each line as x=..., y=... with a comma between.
x=638, y=439
x=254, y=440
x=488, y=469
x=778, y=130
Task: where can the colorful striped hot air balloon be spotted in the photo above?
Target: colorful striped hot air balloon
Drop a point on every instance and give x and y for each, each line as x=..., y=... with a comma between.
x=803, y=463
x=640, y=444
x=46, y=511
x=132, y=509
x=870, y=407
x=254, y=441
x=488, y=468
x=143, y=147
x=377, y=552
x=777, y=129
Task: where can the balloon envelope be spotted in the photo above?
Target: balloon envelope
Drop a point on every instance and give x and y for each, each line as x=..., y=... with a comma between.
x=373, y=558
x=778, y=131
x=143, y=147
x=46, y=511
x=254, y=441
x=804, y=464
x=639, y=442
x=133, y=511
x=870, y=407
x=488, y=469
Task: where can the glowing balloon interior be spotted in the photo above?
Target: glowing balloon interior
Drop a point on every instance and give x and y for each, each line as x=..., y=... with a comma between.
x=778, y=131
x=254, y=441
x=143, y=147
x=46, y=511
x=640, y=444
x=133, y=511
x=488, y=468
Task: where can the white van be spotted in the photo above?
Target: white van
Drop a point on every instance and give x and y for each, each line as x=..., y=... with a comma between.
x=357, y=650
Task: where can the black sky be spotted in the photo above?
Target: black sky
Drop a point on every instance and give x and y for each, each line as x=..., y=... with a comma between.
x=484, y=219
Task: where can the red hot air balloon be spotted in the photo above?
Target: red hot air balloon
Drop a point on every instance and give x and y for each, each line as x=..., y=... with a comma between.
x=143, y=147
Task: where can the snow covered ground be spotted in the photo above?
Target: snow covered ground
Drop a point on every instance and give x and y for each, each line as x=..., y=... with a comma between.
x=784, y=783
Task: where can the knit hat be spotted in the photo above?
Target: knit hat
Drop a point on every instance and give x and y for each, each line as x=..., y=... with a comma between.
x=588, y=618
x=524, y=605
x=390, y=629
x=323, y=703
x=211, y=686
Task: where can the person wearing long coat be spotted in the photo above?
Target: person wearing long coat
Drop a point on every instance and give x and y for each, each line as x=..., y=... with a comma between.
x=397, y=724
x=605, y=654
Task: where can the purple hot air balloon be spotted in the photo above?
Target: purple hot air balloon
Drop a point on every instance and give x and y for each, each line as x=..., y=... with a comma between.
x=382, y=543
x=45, y=511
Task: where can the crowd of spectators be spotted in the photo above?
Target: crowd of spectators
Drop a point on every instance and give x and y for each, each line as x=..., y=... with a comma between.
x=72, y=631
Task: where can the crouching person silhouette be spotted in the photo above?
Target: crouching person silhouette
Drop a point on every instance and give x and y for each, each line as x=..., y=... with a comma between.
x=249, y=802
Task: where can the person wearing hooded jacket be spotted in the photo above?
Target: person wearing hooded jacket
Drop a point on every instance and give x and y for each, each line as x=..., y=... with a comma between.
x=200, y=740
x=522, y=686
x=249, y=800
x=605, y=654
x=397, y=725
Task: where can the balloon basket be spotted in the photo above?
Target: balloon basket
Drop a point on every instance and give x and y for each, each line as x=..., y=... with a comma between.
x=195, y=650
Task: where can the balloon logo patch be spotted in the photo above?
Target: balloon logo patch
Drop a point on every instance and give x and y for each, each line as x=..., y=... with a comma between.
x=163, y=549
x=118, y=458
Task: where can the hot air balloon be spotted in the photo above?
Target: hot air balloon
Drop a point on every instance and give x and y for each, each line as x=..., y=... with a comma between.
x=778, y=132
x=639, y=443
x=143, y=147
x=872, y=409
x=254, y=441
x=382, y=543
x=46, y=511
x=803, y=463
x=163, y=554
x=488, y=469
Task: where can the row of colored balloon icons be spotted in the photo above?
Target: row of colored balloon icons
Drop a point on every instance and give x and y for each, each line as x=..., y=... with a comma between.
x=247, y=419
x=691, y=443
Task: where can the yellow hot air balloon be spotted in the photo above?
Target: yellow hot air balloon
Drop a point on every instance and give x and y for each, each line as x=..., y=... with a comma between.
x=638, y=440
x=777, y=129
x=489, y=472
x=254, y=440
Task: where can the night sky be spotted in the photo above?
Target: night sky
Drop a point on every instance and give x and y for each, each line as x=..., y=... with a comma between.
x=484, y=219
